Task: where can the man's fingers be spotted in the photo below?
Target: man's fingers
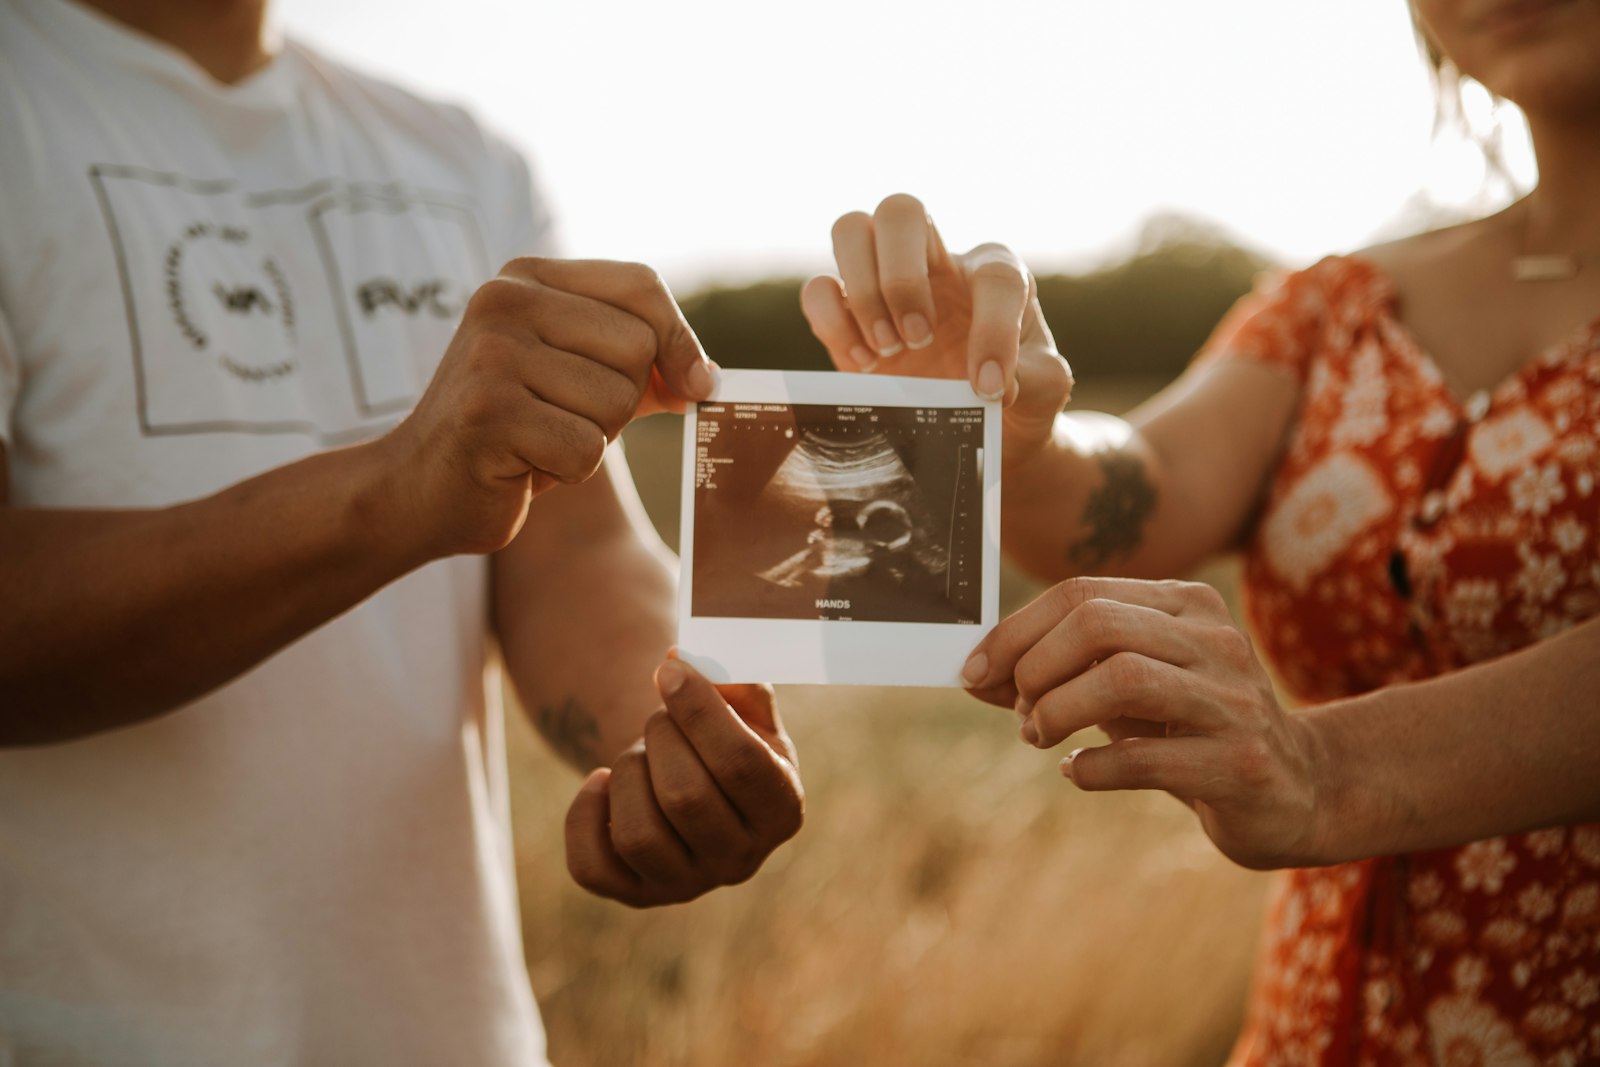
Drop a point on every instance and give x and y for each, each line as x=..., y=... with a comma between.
x=640, y=833
x=828, y=314
x=692, y=801
x=582, y=386
x=855, y=251
x=591, y=859
x=762, y=785
x=1003, y=695
x=901, y=232
x=594, y=329
x=553, y=440
x=638, y=290
x=1001, y=291
x=757, y=706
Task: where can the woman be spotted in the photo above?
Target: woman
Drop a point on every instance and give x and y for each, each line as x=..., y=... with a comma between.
x=1405, y=443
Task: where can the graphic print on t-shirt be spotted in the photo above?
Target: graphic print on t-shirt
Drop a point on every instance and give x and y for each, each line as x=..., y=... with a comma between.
x=317, y=310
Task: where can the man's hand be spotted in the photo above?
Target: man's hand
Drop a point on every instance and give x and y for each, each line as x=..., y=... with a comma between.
x=551, y=360
x=700, y=801
x=902, y=304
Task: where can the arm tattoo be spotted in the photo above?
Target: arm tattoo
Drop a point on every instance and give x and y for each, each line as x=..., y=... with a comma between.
x=1115, y=513
x=571, y=731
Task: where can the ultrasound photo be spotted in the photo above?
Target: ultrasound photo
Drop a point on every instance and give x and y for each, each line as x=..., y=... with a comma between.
x=822, y=511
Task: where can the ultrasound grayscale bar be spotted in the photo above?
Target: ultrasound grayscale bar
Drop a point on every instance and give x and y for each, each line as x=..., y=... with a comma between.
x=838, y=512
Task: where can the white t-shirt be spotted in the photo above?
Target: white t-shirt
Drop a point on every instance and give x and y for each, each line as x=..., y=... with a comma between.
x=198, y=283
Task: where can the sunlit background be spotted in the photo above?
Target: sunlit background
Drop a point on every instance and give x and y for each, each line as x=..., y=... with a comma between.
x=718, y=139
x=951, y=900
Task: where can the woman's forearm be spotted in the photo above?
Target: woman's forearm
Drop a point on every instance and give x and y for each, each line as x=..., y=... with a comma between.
x=1153, y=495
x=1093, y=500
x=1501, y=747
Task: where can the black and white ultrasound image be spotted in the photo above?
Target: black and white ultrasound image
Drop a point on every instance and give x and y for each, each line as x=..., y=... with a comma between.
x=821, y=511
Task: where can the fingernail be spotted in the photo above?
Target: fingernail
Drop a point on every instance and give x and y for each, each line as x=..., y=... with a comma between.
x=888, y=340
x=976, y=670
x=670, y=677
x=864, y=359
x=1030, y=733
x=1066, y=764
x=915, y=329
x=991, y=381
x=700, y=382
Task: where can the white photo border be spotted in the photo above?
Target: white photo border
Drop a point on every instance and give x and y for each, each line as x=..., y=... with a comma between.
x=830, y=651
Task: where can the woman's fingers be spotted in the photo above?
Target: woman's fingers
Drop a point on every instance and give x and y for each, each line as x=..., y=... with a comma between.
x=1001, y=291
x=855, y=251
x=902, y=234
x=1098, y=629
x=1190, y=768
x=1044, y=380
x=902, y=291
x=1126, y=685
x=996, y=657
x=828, y=314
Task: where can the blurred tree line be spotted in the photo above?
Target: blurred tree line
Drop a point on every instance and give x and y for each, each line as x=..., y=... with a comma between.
x=1143, y=316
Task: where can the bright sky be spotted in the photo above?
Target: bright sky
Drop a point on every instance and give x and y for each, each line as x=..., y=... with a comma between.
x=720, y=138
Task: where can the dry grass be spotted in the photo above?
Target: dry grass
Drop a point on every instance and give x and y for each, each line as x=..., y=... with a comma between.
x=952, y=900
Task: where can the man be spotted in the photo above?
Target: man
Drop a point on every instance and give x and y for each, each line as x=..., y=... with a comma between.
x=261, y=426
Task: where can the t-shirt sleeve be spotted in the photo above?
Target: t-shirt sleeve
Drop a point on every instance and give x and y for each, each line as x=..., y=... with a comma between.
x=10, y=379
x=1279, y=322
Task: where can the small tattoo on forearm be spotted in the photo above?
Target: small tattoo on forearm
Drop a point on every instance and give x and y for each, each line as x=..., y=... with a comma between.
x=571, y=731
x=1115, y=513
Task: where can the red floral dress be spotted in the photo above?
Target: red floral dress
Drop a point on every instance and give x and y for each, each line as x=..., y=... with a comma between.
x=1409, y=533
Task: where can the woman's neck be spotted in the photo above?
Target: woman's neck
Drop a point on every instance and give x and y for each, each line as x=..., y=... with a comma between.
x=1563, y=212
x=224, y=37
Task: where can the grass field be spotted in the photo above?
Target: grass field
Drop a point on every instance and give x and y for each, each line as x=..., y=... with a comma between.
x=952, y=900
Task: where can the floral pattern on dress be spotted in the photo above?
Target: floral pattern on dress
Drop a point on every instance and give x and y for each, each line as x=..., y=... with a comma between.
x=1361, y=574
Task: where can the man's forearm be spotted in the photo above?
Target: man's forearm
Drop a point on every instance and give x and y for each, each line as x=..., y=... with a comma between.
x=584, y=608
x=114, y=617
x=1501, y=747
x=583, y=670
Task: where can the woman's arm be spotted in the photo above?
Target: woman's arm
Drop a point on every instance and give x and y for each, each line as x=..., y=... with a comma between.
x=1505, y=746
x=1154, y=494
x=1151, y=495
x=1500, y=747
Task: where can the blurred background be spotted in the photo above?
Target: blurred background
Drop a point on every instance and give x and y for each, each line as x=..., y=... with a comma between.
x=951, y=900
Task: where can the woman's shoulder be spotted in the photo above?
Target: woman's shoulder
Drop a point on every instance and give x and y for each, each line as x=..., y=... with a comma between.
x=1433, y=258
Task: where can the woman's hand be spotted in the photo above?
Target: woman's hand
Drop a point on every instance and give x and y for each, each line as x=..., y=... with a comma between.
x=1189, y=709
x=907, y=306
